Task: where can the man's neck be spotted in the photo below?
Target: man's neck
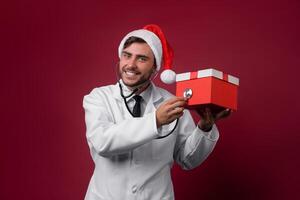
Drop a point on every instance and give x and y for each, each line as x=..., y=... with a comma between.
x=141, y=88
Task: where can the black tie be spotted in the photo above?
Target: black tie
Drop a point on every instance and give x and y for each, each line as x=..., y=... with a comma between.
x=137, y=107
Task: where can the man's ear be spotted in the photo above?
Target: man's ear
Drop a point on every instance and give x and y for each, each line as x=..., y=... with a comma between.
x=153, y=73
x=154, y=69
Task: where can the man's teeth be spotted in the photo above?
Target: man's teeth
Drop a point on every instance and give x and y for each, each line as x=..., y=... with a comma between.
x=130, y=73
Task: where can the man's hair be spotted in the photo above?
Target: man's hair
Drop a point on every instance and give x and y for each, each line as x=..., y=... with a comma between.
x=134, y=39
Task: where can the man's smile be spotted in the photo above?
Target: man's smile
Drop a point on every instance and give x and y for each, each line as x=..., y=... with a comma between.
x=131, y=73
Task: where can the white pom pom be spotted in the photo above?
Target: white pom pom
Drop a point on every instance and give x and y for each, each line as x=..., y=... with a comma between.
x=168, y=76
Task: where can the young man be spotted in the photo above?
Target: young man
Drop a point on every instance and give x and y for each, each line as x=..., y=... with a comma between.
x=129, y=141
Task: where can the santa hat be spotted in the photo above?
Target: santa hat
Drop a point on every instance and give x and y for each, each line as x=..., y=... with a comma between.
x=154, y=37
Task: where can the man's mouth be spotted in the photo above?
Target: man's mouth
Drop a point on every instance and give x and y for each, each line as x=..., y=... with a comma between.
x=131, y=73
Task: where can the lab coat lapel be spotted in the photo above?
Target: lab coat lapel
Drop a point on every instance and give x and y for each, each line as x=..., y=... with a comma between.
x=156, y=96
x=154, y=100
x=116, y=93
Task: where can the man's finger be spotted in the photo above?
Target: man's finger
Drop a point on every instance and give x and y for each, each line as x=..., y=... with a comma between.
x=175, y=99
x=176, y=116
x=201, y=111
x=176, y=111
x=201, y=114
x=208, y=113
x=223, y=114
x=177, y=104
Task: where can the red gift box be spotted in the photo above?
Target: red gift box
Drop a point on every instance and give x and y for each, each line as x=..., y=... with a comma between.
x=208, y=87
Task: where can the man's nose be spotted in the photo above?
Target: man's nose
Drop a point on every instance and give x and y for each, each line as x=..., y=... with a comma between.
x=131, y=62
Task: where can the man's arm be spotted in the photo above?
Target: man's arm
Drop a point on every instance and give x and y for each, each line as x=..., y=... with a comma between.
x=109, y=138
x=193, y=145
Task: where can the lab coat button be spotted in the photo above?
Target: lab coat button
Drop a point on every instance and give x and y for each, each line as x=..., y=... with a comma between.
x=134, y=189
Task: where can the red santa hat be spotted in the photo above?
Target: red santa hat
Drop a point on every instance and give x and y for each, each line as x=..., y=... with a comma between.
x=163, y=52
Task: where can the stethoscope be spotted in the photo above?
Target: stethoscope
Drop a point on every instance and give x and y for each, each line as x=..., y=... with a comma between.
x=132, y=93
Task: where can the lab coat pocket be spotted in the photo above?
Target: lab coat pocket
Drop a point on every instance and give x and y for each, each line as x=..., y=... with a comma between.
x=162, y=149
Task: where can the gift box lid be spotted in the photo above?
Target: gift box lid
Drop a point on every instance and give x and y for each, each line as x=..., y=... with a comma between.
x=207, y=73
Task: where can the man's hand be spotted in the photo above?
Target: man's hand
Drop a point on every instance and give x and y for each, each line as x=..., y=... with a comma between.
x=208, y=118
x=170, y=110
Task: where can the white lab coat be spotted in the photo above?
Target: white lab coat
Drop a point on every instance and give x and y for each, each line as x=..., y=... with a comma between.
x=130, y=163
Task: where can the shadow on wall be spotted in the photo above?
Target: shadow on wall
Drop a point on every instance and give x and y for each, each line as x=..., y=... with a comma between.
x=224, y=177
x=236, y=185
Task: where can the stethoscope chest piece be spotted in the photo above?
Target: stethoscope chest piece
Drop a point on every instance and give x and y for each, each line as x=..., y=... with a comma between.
x=188, y=93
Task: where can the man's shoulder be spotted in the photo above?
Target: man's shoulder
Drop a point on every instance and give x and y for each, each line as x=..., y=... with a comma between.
x=106, y=89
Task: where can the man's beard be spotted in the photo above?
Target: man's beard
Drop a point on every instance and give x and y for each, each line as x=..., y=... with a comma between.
x=140, y=82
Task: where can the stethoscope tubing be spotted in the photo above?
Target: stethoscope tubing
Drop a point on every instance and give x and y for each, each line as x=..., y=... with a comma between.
x=132, y=93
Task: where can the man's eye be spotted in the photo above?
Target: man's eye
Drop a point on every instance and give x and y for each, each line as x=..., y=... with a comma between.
x=125, y=55
x=142, y=59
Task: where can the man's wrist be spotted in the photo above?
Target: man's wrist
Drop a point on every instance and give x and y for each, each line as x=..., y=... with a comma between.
x=205, y=127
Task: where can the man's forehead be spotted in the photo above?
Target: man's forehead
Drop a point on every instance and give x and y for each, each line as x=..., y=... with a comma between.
x=139, y=48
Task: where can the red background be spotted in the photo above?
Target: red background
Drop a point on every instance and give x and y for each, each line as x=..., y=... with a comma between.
x=55, y=52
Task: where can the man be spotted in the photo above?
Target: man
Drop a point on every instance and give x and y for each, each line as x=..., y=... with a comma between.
x=134, y=140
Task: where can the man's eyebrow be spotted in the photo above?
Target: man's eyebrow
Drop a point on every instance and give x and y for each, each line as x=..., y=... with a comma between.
x=126, y=52
x=142, y=56
x=138, y=55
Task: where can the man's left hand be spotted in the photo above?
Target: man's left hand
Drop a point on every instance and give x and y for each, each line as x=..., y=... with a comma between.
x=208, y=118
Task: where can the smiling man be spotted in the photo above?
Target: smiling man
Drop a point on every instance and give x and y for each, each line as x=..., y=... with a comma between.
x=136, y=53
x=135, y=130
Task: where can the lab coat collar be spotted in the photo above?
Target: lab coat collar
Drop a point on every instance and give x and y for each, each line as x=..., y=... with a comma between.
x=155, y=94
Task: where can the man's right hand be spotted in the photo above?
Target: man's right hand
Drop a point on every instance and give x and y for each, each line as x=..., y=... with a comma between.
x=170, y=110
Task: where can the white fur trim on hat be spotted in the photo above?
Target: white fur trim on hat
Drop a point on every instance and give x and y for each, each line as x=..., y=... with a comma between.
x=168, y=76
x=151, y=39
